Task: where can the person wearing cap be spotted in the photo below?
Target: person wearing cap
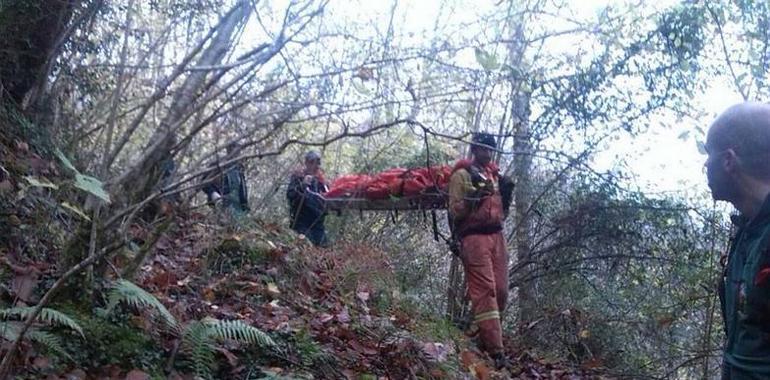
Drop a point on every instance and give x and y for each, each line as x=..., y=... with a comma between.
x=476, y=214
x=306, y=203
x=229, y=184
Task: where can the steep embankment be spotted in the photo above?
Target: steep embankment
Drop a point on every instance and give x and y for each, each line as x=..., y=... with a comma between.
x=207, y=285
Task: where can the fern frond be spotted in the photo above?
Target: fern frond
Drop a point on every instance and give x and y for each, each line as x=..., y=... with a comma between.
x=10, y=330
x=238, y=331
x=127, y=292
x=49, y=341
x=199, y=347
x=48, y=316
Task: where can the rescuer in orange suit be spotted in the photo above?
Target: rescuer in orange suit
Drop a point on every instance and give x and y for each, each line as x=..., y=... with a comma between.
x=477, y=212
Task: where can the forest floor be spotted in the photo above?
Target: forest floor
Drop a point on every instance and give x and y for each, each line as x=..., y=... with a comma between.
x=337, y=313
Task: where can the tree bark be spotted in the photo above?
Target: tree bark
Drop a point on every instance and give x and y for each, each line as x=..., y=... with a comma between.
x=522, y=171
x=30, y=30
x=139, y=180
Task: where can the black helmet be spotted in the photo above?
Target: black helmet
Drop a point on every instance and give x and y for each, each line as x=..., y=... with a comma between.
x=484, y=139
x=312, y=156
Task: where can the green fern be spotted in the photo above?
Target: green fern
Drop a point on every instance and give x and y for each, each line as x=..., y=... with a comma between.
x=199, y=339
x=47, y=316
x=238, y=331
x=124, y=291
x=199, y=347
x=49, y=341
x=10, y=332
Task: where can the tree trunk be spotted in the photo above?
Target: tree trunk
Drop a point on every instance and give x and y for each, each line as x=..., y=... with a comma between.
x=140, y=179
x=30, y=30
x=523, y=202
x=522, y=171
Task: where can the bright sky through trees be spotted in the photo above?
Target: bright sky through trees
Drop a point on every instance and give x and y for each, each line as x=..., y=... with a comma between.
x=664, y=158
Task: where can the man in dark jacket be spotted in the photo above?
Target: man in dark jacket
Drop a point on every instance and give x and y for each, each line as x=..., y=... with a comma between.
x=306, y=202
x=229, y=184
x=738, y=171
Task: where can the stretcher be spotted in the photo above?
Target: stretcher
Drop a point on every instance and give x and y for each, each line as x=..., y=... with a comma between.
x=429, y=200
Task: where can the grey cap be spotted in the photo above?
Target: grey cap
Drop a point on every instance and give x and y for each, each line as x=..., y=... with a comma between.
x=312, y=155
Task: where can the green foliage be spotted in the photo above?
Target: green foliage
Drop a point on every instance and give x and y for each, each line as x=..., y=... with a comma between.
x=92, y=186
x=40, y=182
x=10, y=330
x=682, y=30
x=487, y=60
x=438, y=330
x=126, y=292
x=47, y=316
x=307, y=348
x=48, y=340
x=233, y=253
x=238, y=331
x=439, y=155
x=84, y=182
x=113, y=339
x=200, y=337
x=199, y=347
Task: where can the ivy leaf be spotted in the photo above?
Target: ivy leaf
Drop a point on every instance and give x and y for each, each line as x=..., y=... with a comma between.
x=92, y=186
x=41, y=182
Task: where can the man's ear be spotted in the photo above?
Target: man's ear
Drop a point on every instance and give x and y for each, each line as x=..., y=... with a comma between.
x=731, y=161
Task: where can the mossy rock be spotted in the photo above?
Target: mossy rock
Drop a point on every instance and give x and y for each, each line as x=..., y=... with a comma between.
x=233, y=254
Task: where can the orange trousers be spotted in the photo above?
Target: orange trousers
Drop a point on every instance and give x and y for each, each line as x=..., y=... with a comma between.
x=486, y=273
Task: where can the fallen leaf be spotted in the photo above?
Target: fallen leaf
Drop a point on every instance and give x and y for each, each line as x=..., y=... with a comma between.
x=534, y=323
x=592, y=363
x=14, y=220
x=76, y=210
x=468, y=358
x=272, y=290
x=21, y=146
x=208, y=294
x=137, y=375
x=5, y=185
x=76, y=374
x=40, y=182
x=436, y=351
x=25, y=281
x=343, y=316
x=41, y=363
x=231, y=358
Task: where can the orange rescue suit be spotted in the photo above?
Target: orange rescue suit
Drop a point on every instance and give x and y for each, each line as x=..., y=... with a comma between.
x=478, y=222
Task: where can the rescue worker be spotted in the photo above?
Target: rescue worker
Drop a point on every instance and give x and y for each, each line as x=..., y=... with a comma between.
x=229, y=184
x=306, y=203
x=477, y=213
x=738, y=172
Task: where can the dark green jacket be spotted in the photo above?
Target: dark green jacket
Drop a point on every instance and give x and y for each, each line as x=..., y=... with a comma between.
x=745, y=296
